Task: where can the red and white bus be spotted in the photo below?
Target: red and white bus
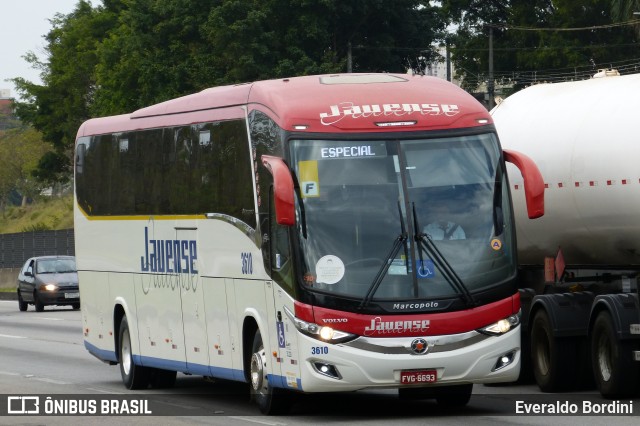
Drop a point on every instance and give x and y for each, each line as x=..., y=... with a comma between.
x=310, y=234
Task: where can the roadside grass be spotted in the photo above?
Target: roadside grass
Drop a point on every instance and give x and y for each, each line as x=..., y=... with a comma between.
x=46, y=213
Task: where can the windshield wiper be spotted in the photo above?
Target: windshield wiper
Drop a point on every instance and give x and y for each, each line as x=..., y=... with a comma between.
x=425, y=243
x=397, y=244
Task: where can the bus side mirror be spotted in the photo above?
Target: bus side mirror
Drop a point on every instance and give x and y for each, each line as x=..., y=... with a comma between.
x=533, y=182
x=282, y=189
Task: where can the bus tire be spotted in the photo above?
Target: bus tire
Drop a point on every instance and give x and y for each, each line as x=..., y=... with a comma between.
x=270, y=400
x=614, y=369
x=414, y=394
x=454, y=395
x=551, y=357
x=133, y=376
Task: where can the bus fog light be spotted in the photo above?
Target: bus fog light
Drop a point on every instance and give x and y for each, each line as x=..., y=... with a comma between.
x=326, y=369
x=504, y=360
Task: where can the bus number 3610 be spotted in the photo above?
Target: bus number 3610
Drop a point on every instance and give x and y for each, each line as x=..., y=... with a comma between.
x=247, y=263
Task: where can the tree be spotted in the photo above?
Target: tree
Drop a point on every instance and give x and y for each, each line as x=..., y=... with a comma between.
x=58, y=106
x=164, y=49
x=20, y=150
x=534, y=40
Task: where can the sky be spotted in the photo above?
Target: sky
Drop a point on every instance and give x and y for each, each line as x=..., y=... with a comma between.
x=23, y=25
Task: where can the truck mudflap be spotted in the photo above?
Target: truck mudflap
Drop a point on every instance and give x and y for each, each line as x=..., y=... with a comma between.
x=568, y=312
x=625, y=313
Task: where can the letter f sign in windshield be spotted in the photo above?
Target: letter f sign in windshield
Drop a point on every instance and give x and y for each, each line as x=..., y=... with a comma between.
x=310, y=189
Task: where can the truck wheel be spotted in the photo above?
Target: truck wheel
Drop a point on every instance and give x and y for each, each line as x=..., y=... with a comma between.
x=270, y=400
x=614, y=369
x=133, y=376
x=22, y=305
x=551, y=357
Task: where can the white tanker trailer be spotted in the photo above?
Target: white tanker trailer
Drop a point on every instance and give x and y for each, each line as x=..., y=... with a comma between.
x=581, y=260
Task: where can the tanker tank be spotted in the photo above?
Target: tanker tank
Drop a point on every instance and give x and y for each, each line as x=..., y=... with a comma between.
x=585, y=138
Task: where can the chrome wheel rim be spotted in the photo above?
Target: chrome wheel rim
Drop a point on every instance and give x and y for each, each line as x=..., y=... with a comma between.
x=126, y=352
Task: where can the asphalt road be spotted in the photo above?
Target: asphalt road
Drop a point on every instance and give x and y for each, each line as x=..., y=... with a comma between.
x=42, y=354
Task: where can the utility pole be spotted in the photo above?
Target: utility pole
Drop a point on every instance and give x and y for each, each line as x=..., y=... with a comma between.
x=349, y=58
x=490, y=86
x=448, y=60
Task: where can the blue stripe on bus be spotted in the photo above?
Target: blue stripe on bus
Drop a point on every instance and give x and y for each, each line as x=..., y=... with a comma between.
x=281, y=382
x=188, y=367
x=101, y=354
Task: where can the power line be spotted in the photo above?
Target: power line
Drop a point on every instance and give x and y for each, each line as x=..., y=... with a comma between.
x=593, y=27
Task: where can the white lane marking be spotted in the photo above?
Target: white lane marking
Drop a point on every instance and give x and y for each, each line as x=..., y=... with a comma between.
x=49, y=319
x=105, y=391
x=8, y=373
x=9, y=336
x=53, y=381
x=252, y=420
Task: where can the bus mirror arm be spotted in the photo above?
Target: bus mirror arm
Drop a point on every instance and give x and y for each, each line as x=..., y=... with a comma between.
x=533, y=182
x=282, y=189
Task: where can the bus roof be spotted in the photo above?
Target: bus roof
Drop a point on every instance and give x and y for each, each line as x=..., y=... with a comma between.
x=322, y=103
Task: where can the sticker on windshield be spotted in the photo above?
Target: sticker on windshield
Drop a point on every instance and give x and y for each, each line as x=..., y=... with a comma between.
x=309, y=182
x=329, y=269
x=496, y=244
x=398, y=266
x=425, y=268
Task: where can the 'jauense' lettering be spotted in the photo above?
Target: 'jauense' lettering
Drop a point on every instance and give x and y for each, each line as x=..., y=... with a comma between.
x=171, y=256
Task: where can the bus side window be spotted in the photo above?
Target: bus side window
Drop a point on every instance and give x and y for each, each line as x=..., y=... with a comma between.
x=280, y=253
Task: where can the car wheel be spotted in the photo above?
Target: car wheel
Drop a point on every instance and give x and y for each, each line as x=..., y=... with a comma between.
x=75, y=306
x=133, y=376
x=38, y=302
x=22, y=305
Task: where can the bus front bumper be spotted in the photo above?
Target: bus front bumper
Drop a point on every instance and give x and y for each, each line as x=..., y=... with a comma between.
x=366, y=363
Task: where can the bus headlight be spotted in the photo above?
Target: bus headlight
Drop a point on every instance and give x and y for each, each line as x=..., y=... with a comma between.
x=502, y=326
x=324, y=333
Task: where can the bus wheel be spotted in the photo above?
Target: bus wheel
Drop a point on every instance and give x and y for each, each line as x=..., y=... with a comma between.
x=454, y=396
x=614, y=369
x=550, y=356
x=133, y=376
x=270, y=400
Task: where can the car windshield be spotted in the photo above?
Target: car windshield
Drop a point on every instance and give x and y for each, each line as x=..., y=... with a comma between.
x=365, y=208
x=55, y=266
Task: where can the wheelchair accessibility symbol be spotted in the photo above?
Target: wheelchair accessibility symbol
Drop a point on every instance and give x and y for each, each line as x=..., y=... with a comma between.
x=281, y=340
x=425, y=268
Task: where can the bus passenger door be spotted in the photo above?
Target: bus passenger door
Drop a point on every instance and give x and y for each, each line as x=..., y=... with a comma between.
x=186, y=268
x=280, y=268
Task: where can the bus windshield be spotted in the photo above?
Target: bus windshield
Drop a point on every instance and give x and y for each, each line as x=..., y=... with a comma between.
x=366, y=207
